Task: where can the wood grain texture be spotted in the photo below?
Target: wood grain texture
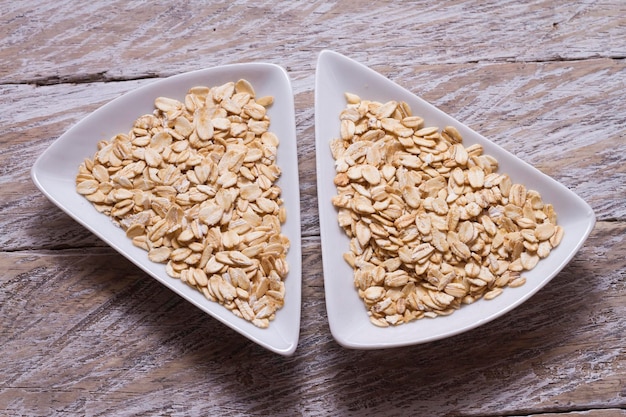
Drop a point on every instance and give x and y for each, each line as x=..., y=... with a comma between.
x=55, y=41
x=85, y=332
x=103, y=337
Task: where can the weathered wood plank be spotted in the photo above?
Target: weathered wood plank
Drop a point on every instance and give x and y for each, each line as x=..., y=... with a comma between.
x=609, y=412
x=84, y=331
x=69, y=40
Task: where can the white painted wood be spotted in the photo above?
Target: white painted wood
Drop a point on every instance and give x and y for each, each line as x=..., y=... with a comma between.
x=84, y=332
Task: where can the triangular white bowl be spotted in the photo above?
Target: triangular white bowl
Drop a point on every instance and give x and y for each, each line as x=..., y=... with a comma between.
x=349, y=323
x=55, y=170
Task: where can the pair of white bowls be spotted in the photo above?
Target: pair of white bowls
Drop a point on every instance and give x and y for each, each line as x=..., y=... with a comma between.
x=55, y=170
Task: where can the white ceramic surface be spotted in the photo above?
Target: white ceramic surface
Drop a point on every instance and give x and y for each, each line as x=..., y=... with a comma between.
x=349, y=323
x=55, y=170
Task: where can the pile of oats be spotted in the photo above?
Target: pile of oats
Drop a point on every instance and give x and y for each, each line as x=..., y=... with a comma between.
x=432, y=224
x=194, y=184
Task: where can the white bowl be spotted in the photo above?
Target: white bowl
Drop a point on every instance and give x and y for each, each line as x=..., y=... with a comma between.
x=347, y=315
x=55, y=170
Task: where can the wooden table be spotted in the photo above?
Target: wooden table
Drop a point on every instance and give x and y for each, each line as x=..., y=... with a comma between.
x=85, y=332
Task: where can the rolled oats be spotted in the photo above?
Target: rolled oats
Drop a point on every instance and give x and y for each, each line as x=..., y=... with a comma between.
x=194, y=184
x=432, y=223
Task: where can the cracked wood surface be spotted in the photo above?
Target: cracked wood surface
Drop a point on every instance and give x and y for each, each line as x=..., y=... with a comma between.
x=85, y=332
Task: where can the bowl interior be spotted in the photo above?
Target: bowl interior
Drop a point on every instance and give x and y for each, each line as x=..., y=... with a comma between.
x=55, y=170
x=349, y=323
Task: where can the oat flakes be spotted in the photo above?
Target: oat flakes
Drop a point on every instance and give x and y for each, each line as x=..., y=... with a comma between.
x=194, y=184
x=432, y=224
